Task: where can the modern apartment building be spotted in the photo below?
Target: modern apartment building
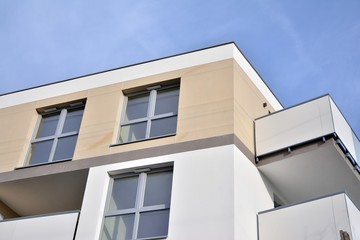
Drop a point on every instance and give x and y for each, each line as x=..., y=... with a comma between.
x=192, y=146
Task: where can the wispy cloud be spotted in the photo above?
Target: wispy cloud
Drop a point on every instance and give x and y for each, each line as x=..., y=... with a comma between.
x=277, y=13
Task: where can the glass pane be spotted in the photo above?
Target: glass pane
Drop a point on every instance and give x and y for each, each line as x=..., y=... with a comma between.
x=40, y=152
x=137, y=107
x=153, y=224
x=123, y=193
x=167, y=101
x=133, y=132
x=73, y=120
x=48, y=125
x=65, y=148
x=158, y=189
x=163, y=126
x=118, y=227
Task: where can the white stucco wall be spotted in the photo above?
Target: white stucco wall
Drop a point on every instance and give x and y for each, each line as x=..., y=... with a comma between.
x=354, y=218
x=203, y=198
x=216, y=194
x=251, y=197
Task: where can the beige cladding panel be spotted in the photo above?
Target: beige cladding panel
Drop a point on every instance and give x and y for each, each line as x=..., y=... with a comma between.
x=205, y=110
x=212, y=97
x=16, y=124
x=206, y=105
x=99, y=121
x=61, y=99
x=248, y=105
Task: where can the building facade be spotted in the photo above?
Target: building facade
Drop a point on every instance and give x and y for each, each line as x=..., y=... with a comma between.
x=192, y=146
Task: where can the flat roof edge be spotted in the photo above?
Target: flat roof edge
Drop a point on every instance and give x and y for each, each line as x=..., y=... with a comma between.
x=117, y=68
x=148, y=68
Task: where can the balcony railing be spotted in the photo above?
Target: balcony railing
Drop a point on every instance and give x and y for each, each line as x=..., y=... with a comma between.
x=304, y=123
x=60, y=226
x=328, y=218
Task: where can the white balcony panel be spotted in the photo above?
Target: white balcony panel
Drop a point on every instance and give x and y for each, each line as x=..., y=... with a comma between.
x=304, y=123
x=293, y=126
x=54, y=227
x=354, y=217
x=318, y=219
x=344, y=131
x=357, y=147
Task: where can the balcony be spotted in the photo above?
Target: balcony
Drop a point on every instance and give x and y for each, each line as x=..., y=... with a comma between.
x=43, y=227
x=41, y=190
x=325, y=218
x=308, y=151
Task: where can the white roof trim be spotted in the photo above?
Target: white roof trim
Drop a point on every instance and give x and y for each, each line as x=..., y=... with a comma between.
x=186, y=60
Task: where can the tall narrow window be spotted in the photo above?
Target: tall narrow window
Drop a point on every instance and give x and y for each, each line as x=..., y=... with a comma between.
x=138, y=206
x=150, y=113
x=56, y=134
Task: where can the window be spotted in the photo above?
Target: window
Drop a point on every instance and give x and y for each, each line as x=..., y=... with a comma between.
x=150, y=113
x=56, y=134
x=138, y=206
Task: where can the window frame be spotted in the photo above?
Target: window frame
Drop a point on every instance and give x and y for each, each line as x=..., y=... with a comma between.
x=139, y=200
x=63, y=113
x=150, y=117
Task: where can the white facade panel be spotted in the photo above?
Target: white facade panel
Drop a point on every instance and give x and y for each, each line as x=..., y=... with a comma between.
x=354, y=217
x=54, y=227
x=319, y=219
x=202, y=195
x=209, y=195
x=251, y=197
x=293, y=126
x=202, y=205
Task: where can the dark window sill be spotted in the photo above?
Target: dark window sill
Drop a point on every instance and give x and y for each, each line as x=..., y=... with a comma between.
x=42, y=164
x=142, y=140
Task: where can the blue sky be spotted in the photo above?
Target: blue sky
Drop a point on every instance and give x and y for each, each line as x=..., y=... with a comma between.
x=302, y=49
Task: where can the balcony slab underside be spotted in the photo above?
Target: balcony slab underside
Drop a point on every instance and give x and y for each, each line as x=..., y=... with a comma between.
x=311, y=171
x=45, y=194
